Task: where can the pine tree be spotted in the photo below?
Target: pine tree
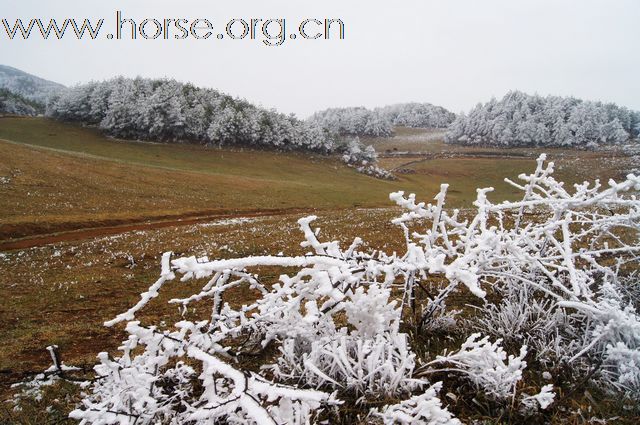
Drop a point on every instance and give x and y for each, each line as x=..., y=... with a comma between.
x=523, y=120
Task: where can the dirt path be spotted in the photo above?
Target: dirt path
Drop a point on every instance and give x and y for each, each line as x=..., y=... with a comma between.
x=100, y=229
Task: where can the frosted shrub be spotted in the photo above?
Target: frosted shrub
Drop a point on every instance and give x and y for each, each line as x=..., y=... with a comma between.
x=371, y=358
x=518, y=319
x=425, y=408
x=364, y=159
x=621, y=371
x=156, y=387
x=554, y=262
x=378, y=367
x=630, y=289
x=551, y=334
x=542, y=400
x=437, y=318
x=486, y=365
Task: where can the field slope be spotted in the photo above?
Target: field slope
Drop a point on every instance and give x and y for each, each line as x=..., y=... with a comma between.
x=58, y=177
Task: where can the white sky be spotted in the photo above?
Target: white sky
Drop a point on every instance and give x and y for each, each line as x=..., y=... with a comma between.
x=453, y=53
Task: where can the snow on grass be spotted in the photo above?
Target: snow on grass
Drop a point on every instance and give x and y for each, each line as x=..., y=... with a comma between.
x=230, y=222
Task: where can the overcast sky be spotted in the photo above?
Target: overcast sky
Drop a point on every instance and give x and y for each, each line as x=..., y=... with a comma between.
x=453, y=53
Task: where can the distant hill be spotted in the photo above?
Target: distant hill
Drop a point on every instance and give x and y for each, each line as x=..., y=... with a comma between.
x=28, y=86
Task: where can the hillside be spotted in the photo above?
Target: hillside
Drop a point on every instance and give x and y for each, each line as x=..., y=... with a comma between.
x=83, y=179
x=28, y=86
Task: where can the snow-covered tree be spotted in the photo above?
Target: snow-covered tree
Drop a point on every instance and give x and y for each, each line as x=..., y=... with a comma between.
x=523, y=120
x=357, y=121
x=360, y=121
x=14, y=104
x=166, y=110
x=423, y=115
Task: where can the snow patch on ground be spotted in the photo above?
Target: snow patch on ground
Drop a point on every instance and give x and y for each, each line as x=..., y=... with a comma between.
x=229, y=222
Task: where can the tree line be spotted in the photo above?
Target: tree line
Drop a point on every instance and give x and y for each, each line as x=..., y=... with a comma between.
x=380, y=122
x=170, y=111
x=167, y=110
x=520, y=119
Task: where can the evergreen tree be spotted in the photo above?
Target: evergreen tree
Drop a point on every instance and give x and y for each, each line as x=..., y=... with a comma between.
x=519, y=119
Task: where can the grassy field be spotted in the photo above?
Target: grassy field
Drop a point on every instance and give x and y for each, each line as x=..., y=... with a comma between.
x=56, y=177
x=59, y=177
x=420, y=156
x=425, y=140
